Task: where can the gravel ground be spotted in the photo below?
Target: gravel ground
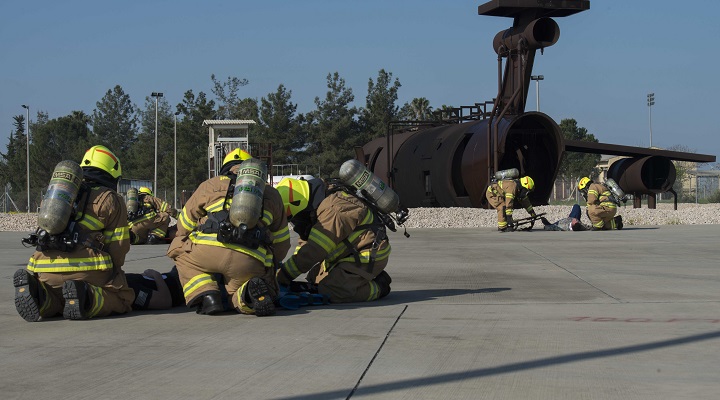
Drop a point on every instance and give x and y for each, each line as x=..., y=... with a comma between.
x=686, y=214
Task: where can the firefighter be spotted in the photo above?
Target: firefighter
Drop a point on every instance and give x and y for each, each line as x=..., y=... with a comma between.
x=601, y=208
x=503, y=194
x=203, y=246
x=344, y=247
x=78, y=273
x=150, y=224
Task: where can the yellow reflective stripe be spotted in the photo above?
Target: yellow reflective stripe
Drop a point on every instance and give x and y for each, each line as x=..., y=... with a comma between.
x=195, y=283
x=374, y=291
x=599, y=224
x=59, y=264
x=210, y=239
x=291, y=268
x=267, y=218
x=120, y=233
x=98, y=300
x=158, y=232
x=508, y=211
x=591, y=191
x=164, y=206
x=281, y=235
x=321, y=240
x=608, y=204
x=365, y=256
x=91, y=223
x=502, y=224
x=186, y=222
x=216, y=206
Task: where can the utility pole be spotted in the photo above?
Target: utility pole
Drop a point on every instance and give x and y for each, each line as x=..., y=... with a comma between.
x=650, y=103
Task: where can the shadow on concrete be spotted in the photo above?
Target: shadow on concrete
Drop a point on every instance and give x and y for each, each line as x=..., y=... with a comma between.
x=504, y=369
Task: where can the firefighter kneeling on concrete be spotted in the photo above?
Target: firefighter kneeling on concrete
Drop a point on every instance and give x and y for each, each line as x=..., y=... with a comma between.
x=601, y=205
x=345, y=247
x=236, y=226
x=149, y=224
x=502, y=195
x=81, y=243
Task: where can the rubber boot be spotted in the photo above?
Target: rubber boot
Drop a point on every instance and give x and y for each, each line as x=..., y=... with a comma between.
x=211, y=304
x=618, y=222
x=257, y=296
x=77, y=303
x=27, y=295
x=383, y=281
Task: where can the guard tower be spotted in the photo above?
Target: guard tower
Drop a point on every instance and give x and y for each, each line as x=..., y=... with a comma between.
x=227, y=135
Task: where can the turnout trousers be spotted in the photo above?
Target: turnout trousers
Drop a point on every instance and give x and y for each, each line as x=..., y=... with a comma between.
x=601, y=217
x=111, y=294
x=346, y=282
x=199, y=262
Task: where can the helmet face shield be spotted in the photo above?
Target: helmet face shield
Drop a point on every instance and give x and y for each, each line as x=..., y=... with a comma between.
x=102, y=158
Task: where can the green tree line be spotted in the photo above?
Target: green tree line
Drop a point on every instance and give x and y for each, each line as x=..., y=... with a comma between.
x=320, y=139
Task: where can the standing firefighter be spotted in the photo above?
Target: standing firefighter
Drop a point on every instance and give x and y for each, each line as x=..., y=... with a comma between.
x=502, y=195
x=77, y=269
x=150, y=223
x=601, y=206
x=345, y=248
x=234, y=226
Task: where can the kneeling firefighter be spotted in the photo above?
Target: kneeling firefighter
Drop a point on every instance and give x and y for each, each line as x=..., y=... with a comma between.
x=504, y=191
x=343, y=229
x=81, y=243
x=149, y=224
x=602, y=203
x=235, y=226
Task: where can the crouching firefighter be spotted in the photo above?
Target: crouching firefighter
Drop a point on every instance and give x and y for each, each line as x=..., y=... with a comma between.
x=235, y=226
x=602, y=203
x=81, y=242
x=503, y=194
x=149, y=218
x=342, y=227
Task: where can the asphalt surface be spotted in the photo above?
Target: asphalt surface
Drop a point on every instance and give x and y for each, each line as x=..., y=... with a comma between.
x=473, y=314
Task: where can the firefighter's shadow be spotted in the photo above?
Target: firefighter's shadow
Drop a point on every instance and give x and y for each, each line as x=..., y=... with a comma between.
x=406, y=297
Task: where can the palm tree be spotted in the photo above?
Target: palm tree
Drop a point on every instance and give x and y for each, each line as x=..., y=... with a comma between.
x=421, y=109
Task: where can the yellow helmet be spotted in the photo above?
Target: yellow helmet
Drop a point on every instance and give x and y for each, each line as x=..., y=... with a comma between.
x=145, y=190
x=236, y=155
x=584, y=182
x=527, y=183
x=102, y=158
x=295, y=194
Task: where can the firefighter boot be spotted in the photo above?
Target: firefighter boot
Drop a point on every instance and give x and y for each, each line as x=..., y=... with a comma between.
x=77, y=300
x=27, y=295
x=383, y=281
x=211, y=304
x=257, y=296
x=618, y=222
x=152, y=239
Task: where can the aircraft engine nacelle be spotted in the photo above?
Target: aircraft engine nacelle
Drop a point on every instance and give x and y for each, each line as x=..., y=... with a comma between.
x=450, y=165
x=646, y=175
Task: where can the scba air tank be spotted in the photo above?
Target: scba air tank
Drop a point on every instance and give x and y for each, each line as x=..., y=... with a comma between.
x=354, y=173
x=247, y=200
x=511, y=173
x=57, y=204
x=132, y=200
x=615, y=189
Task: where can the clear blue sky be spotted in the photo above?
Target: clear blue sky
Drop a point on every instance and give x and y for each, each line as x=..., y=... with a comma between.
x=60, y=56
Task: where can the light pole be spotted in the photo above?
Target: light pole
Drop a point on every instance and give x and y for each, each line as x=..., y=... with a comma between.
x=175, y=160
x=27, y=154
x=650, y=103
x=537, y=79
x=156, y=95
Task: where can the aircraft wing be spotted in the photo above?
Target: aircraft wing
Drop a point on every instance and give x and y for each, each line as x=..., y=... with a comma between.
x=630, y=151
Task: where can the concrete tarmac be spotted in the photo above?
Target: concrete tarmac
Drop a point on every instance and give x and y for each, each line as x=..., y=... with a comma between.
x=473, y=314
